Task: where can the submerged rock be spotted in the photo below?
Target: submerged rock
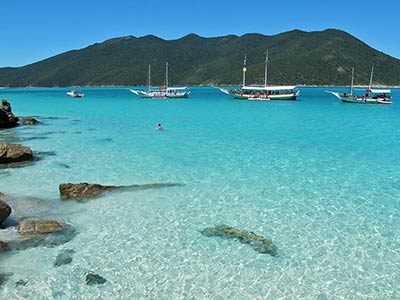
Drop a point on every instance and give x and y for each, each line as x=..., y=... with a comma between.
x=33, y=226
x=79, y=191
x=17, y=241
x=4, y=277
x=64, y=258
x=10, y=153
x=8, y=120
x=4, y=246
x=259, y=243
x=30, y=121
x=92, y=278
x=5, y=210
x=21, y=282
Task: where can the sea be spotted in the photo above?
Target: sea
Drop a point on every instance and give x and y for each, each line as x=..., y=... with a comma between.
x=317, y=177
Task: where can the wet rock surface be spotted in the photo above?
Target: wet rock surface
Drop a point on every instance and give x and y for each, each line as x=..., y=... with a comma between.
x=30, y=121
x=10, y=153
x=35, y=226
x=259, y=243
x=5, y=210
x=8, y=120
x=92, y=279
x=80, y=191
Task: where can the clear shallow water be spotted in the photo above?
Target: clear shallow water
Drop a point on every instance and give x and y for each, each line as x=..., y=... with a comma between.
x=319, y=177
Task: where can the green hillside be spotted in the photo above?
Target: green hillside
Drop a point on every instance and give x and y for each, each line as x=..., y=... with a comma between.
x=296, y=57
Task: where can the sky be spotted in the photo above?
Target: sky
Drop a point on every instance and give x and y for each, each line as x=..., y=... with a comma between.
x=32, y=30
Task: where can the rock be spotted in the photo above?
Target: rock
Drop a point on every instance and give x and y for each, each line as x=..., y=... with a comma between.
x=259, y=243
x=82, y=190
x=4, y=277
x=2, y=196
x=14, y=153
x=8, y=120
x=17, y=241
x=92, y=279
x=30, y=121
x=4, y=246
x=5, y=210
x=21, y=282
x=33, y=226
x=79, y=191
x=64, y=258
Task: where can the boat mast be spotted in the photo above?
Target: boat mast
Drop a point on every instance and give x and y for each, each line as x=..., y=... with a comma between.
x=370, y=80
x=352, y=82
x=148, y=88
x=266, y=70
x=166, y=74
x=244, y=70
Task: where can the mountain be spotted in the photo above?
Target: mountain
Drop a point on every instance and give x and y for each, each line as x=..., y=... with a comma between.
x=295, y=57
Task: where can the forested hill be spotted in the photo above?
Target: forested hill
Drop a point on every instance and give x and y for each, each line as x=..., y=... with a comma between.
x=295, y=57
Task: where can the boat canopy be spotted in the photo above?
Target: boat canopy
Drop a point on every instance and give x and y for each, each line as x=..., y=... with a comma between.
x=269, y=88
x=177, y=88
x=376, y=91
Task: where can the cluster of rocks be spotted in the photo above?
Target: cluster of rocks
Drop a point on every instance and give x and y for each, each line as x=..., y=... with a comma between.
x=9, y=120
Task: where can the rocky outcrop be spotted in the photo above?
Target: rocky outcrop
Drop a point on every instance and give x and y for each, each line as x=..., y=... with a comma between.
x=10, y=153
x=80, y=191
x=5, y=210
x=34, y=226
x=8, y=120
x=259, y=243
x=30, y=121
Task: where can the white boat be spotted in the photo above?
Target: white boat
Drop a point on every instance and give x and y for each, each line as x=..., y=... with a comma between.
x=75, y=94
x=262, y=93
x=162, y=92
x=371, y=96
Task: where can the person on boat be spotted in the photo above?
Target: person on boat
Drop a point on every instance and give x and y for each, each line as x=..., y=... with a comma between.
x=159, y=127
x=5, y=106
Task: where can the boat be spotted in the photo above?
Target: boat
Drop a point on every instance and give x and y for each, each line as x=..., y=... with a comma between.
x=75, y=94
x=162, y=92
x=371, y=96
x=262, y=93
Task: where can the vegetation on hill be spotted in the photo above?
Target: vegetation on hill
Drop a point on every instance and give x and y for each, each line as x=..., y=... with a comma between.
x=296, y=57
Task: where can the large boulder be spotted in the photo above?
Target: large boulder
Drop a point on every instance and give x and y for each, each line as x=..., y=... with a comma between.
x=5, y=210
x=259, y=243
x=35, y=226
x=7, y=120
x=80, y=191
x=10, y=153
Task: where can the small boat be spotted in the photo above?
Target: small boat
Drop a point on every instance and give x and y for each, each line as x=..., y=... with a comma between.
x=262, y=93
x=75, y=94
x=164, y=91
x=372, y=96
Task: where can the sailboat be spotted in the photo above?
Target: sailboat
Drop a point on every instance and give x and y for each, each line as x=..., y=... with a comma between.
x=372, y=96
x=262, y=93
x=162, y=92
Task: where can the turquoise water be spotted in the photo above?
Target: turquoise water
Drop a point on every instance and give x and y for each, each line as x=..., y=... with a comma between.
x=319, y=177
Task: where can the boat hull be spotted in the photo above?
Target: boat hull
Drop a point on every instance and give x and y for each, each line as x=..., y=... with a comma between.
x=291, y=96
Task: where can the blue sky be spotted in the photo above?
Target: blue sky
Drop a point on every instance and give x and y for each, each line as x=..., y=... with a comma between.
x=35, y=30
